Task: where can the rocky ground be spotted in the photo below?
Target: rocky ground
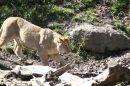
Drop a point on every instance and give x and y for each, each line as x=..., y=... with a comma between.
x=84, y=69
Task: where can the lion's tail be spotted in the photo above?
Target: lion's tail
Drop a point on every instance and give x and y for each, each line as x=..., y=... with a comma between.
x=1, y=31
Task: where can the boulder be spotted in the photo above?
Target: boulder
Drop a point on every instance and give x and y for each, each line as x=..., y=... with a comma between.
x=100, y=38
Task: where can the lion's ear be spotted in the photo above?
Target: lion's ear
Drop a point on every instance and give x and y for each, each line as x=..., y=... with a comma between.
x=60, y=39
x=67, y=37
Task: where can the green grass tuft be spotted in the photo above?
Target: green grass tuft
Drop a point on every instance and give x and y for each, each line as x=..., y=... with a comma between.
x=27, y=52
x=9, y=49
x=128, y=30
x=119, y=24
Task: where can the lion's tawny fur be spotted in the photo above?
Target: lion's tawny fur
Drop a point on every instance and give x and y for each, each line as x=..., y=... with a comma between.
x=46, y=42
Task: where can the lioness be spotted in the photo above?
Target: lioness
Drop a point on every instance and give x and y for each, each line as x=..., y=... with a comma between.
x=46, y=42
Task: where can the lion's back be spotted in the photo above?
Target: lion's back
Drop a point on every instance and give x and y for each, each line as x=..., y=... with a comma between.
x=10, y=21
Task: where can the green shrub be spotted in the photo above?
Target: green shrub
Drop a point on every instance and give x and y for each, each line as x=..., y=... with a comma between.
x=118, y=24
x=77, y=47
x=119, y=7
x=9, y=49
x=40, y=11
x=88, y=3
x=5, y=12
x=77, y=18
x=94, y=18
x=80, y=54
x=36, y=13
x=27, y=52
x=58, y=12
x=81, y=5
x=33, y=14
x=128, y=30
x=68, y=5
x=56, y=26
x=90, y=11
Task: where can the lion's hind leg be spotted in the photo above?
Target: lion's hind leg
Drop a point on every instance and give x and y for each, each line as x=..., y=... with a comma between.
x=18, y=50
x=4, y=37
x=3, y=41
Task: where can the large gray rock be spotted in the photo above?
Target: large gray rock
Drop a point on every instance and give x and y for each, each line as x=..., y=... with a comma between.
x=100, y=38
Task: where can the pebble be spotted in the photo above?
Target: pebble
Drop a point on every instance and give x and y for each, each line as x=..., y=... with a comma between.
x=117, y=60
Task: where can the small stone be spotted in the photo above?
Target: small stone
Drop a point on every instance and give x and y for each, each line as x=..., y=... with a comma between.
x=117, y=60
x=29, y=62
x=112, y=63
x=120, y=63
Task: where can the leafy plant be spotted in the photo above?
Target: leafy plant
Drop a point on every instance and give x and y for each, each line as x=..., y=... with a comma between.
x=34, y=14
x=119, y=6
x=80, y=53
x=90, y=11
x=80, y=5
x=56, y=26
x=59, y=13
x=128, y=30
x=118, y=24
x=9, y=49
x=39, y=11
x=27, y=52
x=77, y=18
x=77, y=47
x=5, y=12
x=93, y=18
x=87, y=4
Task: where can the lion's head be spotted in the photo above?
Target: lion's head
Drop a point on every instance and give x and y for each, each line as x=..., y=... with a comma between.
x=63, y=45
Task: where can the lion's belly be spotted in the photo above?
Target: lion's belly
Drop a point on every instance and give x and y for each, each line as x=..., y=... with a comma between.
x=29, y=40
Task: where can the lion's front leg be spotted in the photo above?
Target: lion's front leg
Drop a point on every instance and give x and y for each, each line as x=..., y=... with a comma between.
x=43, y=57
x=58, y=58
x=44, y=60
